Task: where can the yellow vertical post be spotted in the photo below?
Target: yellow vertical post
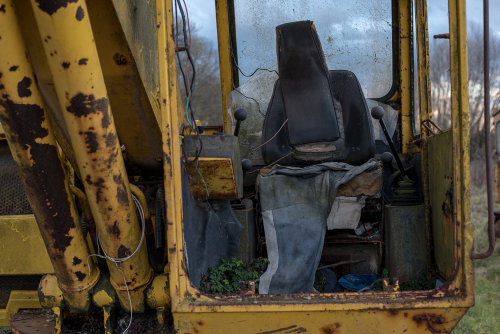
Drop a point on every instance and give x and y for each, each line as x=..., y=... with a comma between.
x=30, y=137
x=404, y=58
x=464, y=232
x=74, y=63
x=424, y=84
x=224, y=39
x=171, y=149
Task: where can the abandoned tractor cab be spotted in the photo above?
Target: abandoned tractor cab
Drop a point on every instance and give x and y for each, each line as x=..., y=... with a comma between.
x=328, y=177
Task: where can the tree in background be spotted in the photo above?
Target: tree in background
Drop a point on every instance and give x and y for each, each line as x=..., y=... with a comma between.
x=441, y=85
x=206, y=98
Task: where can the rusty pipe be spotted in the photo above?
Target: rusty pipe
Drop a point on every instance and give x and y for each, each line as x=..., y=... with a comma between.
x=154, y=259
x=34, y=149
x=421, y=141
x=90, y=226
x=140, y=196
x=74, y=64
x=84, y=203
x=487, y=143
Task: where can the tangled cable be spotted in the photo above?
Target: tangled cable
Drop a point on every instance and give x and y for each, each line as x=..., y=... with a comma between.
x=120, y=260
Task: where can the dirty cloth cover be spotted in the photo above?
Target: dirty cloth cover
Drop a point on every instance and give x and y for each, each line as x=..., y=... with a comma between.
x=296, y=203
x=211, y=232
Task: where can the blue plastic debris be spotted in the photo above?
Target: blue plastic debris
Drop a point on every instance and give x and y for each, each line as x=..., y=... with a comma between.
x=357, y=282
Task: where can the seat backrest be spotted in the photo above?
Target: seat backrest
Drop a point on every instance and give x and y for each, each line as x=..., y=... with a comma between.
x=326, y=115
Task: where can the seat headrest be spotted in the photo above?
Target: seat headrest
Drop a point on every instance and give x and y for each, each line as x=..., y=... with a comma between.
x=306, y=90
x=298, y=45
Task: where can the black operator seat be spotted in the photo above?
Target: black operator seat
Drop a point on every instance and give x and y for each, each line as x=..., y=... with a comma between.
x=328, y=119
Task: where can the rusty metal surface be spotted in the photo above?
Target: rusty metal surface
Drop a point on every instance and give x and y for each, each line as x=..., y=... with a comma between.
x=126, y=92
x=45, y=81
x=16, y=282
x=219, y=165
x=81, y=90
x=26, y=323
x=138, y=21
x=122, y=67
x=407, y=321
x=34, y=149
x=441, y=201
x=405, y=241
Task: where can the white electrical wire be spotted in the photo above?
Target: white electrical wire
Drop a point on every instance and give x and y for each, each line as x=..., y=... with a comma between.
x=120, y=260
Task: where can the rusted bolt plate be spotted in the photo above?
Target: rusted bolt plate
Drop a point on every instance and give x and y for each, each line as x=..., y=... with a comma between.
x=29, y=324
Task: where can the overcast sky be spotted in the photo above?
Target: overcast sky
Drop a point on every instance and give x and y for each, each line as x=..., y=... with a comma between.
x=202, y=12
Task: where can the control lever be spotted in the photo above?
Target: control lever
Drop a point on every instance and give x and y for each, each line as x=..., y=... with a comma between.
x=378, y=113
x=240, y=115
x=246, y=165
x=387, y=158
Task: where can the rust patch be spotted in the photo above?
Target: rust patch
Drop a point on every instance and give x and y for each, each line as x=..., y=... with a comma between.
x=84, y=105
x=119, y=59
x=110, y=139
x=330, y=329
x=76, y=261
x=291, y=329
x=105, y=122
x=80, y=13
x=114, y=230
x=429, y=320
x=83, y=61
x=393, y=312
x=200, y=322
x=121, y=192
x=91, y=141
x=23, y=87
x=99, y=184
x=45, y=178
x=112, y=156
x=13, y=68
x=52, y=6
x=123, y=252
x=81, y=276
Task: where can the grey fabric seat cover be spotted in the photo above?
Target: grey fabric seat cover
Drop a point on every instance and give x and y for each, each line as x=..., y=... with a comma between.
x=295, y=205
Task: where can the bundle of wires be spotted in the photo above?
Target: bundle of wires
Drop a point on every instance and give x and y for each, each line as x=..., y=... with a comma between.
x=188, y=84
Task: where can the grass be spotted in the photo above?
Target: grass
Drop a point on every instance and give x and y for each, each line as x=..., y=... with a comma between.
x=485, y=316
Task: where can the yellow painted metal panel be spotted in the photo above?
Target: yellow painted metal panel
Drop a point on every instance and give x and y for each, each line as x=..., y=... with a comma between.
x=218, y=176
x=22, y=251
x=441, y=201
x=18, y=300
x=325, y=322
